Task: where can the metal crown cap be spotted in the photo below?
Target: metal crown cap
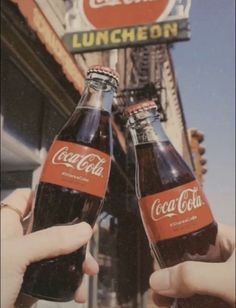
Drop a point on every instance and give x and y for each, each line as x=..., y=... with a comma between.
x=143, y=106
x=104, y=70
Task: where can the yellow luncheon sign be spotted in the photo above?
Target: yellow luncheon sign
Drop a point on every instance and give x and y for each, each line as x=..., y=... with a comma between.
x=94, y=40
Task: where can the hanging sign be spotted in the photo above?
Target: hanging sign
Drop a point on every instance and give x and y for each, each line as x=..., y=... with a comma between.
x=113, y=24
x=103, y=14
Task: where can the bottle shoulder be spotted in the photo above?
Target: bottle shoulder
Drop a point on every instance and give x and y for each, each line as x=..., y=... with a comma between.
x=160, y=167
x=89, y=127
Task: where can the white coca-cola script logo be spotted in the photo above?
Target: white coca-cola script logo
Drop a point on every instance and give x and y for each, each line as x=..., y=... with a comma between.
x=94, y=4
x=90, y=163
x=188, y=200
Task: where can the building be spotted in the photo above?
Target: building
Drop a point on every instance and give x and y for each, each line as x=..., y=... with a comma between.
x=41, y=84
x=196, y=138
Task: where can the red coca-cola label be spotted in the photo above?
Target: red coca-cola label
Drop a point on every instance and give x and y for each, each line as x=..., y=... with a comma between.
x=78, y=167
x=175, y=212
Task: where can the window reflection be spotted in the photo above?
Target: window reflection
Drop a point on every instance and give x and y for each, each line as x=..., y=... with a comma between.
x=107, y=259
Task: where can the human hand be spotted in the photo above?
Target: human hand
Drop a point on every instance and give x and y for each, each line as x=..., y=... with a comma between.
x=191, y=277
x=19, y=250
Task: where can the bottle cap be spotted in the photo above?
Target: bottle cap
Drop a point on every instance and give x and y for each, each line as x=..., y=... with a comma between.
x=104, y=70
x=143, y=106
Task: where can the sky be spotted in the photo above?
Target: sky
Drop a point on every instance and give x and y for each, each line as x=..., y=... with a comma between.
x=205, y=69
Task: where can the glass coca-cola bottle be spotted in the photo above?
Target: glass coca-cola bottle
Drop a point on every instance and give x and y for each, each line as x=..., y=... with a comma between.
x=73, y=184
x=174, y=210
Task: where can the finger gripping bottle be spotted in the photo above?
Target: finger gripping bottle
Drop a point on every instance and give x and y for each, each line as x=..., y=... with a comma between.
x=174, y=210
x=73, y=184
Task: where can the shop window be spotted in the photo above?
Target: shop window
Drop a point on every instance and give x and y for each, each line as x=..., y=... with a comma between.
x=108, y=259
x=22, y=106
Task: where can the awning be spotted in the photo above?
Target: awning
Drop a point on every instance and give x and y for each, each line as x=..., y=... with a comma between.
x=39, y=23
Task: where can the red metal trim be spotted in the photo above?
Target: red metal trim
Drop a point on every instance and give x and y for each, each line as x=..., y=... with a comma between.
x=40, y=24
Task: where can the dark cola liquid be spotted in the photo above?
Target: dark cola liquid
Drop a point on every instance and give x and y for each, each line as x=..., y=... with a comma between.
x=161, y=168
x=57, y=279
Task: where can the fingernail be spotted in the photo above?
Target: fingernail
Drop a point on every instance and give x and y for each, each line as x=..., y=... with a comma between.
x=160, y=280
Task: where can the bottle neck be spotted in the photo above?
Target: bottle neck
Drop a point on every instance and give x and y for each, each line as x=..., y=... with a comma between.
x=145, y=127
x=98, y=93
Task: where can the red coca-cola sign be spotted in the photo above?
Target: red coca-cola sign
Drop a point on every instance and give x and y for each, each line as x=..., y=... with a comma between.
x=121, y=13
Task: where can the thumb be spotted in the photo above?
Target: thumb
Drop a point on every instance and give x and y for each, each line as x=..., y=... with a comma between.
x=188, y=278
x=54, y=241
